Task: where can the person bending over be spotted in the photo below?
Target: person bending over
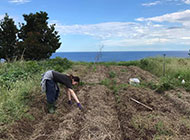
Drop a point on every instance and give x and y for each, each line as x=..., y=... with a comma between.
x=49, y=83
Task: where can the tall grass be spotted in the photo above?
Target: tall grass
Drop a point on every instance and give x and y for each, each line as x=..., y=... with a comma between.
x=14, y=101
x=176, y=69
x=19, y=81
x=173, y=66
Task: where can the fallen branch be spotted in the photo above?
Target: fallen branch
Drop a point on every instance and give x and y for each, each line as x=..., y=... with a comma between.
x=141, y=104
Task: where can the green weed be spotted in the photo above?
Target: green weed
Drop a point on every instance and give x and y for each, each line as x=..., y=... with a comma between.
x=106, y=82
x=179, y=95
x=112, y=74
x=161, y=129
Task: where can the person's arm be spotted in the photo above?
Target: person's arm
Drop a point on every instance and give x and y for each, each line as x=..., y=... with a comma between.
x=75, y=97
x=72, y=93
x=69, y=97
x=68, y=94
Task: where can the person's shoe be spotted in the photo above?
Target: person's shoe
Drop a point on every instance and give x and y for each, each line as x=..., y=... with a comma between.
x=51, y=108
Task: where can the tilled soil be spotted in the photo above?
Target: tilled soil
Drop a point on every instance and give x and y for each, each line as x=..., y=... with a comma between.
x=109, y=113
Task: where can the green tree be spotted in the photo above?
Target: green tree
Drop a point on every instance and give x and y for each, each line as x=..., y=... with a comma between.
x=37, y=39
x=8, y=38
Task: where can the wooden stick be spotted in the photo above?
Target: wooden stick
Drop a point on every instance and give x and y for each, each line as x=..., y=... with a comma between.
x=141, y=104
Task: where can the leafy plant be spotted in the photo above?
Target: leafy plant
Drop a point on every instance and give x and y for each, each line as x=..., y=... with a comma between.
x=165, y=84
x=112, y=74
x=106, y=82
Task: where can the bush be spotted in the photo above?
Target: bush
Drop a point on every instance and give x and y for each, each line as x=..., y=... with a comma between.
x=57, y=64
x=165, y=84
x=153, y=65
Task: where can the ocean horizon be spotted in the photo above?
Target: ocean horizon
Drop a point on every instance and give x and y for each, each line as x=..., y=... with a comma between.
x=117, y=56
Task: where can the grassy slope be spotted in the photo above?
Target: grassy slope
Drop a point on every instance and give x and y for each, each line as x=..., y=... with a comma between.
x=20, y=81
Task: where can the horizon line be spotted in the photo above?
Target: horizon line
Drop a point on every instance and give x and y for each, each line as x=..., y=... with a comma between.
x=123, y=51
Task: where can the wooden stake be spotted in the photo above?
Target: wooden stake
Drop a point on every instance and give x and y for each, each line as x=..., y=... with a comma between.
x=141, y=104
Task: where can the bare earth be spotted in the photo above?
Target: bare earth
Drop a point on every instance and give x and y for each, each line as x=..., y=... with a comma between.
x=108, y=115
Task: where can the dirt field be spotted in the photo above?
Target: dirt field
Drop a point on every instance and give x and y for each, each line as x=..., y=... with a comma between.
x=109, y=112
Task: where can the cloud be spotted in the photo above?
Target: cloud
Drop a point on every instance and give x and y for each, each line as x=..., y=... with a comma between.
x=1, y=17
x=150, y=31
x=151, y=3
x=134, y=42
x=166, y=2
x=186, y=37
x=19, y=1
x=186, y=1
x=104, y=30
x=182, y=17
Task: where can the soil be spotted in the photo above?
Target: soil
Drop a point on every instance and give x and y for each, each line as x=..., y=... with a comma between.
x=109, y=113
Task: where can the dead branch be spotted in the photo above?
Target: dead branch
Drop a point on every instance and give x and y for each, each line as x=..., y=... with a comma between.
x=141, y=104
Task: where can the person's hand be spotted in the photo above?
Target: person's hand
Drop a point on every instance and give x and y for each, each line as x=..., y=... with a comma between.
x=79, y=106
x=70, y=102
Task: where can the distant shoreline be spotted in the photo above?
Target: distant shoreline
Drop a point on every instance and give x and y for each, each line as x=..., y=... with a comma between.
x=120, y=51
x=117, y=56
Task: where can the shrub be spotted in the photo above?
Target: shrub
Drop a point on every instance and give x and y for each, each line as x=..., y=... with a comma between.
x=165, y=84
x=112, y=74
x=152, y=65
x=57, y=64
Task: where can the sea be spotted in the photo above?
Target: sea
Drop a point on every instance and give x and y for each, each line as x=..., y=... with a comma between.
x=117, y=56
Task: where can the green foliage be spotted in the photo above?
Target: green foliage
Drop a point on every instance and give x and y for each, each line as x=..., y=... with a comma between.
x=81, y=83
x=38, y=40
x=129, y=63
x=12, y=72
x=123, y=70
x=150, y=85
x=22, y=70
x=162, y=130
x=57, y=64
x=187, y=87
x=116, y=88
x=179, y=95
x=20, y=82
x=122, y=63
x=112, y=74
x=8, y=38
x=14, y=101
x=35, y=40
x=176, y=69
x=106, y=82
x=94, y=68
x=112, y=85
x=153, y=65
x=165, y=84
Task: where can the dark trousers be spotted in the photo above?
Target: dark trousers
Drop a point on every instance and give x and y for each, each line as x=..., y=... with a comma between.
x=52, y=91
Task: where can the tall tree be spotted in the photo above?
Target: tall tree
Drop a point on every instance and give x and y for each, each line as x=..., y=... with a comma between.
x=37, y=39
x=8, y=38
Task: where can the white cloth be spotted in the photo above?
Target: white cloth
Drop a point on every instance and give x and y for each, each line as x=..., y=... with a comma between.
x=46, y=76
x=134, y=81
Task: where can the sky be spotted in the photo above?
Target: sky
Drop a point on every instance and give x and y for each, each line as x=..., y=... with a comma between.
x=111, y=25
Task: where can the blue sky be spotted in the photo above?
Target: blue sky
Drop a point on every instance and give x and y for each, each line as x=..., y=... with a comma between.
x=113, y=25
